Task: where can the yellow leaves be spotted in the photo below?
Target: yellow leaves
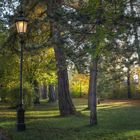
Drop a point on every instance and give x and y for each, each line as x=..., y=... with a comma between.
x=79, y=84
x=39, y=9
x=80, y=77
x=50, y=52
x=41, y=66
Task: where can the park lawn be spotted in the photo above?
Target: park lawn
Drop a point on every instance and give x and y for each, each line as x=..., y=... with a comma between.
x=117, y=120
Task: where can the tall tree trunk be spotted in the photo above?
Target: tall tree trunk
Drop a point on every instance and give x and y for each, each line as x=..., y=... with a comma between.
x=129, y=95
x=65, y=103
x=56, y=91
x=66, y=106
x=52, y=95
x=36, y=91
x=92, y=93
x=44, y=91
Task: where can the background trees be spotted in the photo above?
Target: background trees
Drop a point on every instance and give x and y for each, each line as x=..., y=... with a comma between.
x=97, y=39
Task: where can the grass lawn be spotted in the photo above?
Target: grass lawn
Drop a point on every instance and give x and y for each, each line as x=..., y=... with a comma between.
x=117, y=120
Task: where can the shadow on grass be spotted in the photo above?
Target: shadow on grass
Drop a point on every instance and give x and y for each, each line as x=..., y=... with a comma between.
x=115, y=122
x=72, y=129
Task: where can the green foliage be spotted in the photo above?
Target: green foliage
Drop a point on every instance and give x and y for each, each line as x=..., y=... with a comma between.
x=40, y=66
x=120, y=92
x=9, y=70
x=75, y=93
x=13, y=97
x=3, y=94
x=3, y=34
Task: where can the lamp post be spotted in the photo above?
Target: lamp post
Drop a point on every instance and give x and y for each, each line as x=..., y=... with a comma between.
x=21, y=25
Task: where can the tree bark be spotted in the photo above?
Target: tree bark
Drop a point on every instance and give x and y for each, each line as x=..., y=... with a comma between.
x=92, y=93
x=36, y=91
x=65, y=102
x=66, y=106
x=52, y=95
x=44, y=91
x=129, y=95
x=56, y=91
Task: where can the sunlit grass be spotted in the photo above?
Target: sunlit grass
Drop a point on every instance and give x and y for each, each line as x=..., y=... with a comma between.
x=116, y=121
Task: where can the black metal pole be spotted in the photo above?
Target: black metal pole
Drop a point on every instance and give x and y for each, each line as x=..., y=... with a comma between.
x=20, y=110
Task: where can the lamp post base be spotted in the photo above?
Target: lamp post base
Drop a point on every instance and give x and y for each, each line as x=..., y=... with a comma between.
x=20, y=127
x=20, y=119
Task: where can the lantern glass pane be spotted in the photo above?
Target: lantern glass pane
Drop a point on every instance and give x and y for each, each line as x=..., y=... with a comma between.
x=25, y=27
x=21, y=26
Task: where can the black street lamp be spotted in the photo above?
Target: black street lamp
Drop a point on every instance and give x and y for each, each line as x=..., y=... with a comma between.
x=21, y=25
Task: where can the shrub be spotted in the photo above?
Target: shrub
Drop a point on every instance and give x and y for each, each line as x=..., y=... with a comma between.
x=14, y=96
x=78, y=91
x=3, y=94
x=75, y=94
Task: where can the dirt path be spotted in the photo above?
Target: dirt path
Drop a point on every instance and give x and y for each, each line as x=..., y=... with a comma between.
x=125, y=101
